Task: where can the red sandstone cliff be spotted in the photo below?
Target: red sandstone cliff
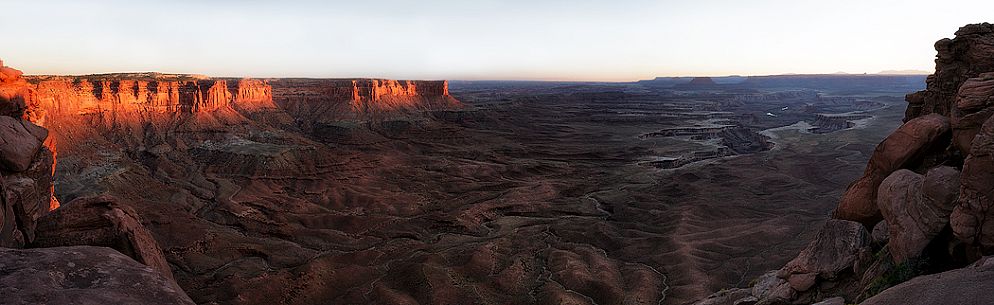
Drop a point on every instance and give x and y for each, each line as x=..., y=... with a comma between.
x=19, y=96
x=91, y=95
x=329, y=100
x=116, y=100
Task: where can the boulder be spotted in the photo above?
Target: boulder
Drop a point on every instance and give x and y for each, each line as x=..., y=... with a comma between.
x=802, y=281
x=766, y=284
x=833, y=251
x=101, y=221
x=975, y=93
x=768, y=289
x=970, y=285
x=975, y=204
x=82, y=275
x=897, y=151
x=18, y=145
x=30, y=192
x=880, y=234
x=916, y=208
x=10, y=235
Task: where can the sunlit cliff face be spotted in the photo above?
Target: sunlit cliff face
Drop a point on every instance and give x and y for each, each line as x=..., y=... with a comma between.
x=330, y=100
x=149, y=112
x=128, y=101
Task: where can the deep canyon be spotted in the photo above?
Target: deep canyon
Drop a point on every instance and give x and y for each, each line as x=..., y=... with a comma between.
x=373, y=191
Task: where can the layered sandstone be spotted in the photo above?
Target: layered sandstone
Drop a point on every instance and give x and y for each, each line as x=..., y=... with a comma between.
x=328, y=100
x=99, y=94
x=116, y=100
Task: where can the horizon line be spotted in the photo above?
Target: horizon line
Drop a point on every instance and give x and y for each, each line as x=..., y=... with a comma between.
x=550, y=80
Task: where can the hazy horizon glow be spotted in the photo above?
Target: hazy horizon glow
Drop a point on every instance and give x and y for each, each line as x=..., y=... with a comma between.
x=618, y=40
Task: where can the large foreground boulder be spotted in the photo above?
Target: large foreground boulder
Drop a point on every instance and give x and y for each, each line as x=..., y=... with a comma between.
x=18, y=145
x=916, y=208
x=101, y=221
x=82, y=275
x=833, y=251
x=897, y=151
x=968, y=286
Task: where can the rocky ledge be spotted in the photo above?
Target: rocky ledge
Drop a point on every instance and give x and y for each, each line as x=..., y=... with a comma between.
x=918, y=226
x=82, y=275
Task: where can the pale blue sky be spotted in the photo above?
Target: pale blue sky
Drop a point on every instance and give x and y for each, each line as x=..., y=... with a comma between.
x=484, y=39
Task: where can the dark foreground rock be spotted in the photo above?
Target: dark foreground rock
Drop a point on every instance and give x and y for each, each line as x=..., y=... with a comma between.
x=81, y=275
x=967, y=286
x=917, y=208
x=101, y=221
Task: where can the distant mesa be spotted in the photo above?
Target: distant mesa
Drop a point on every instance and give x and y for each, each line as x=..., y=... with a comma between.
x=810, y=81
x=697, y=83
x=904, y=72
x=702, y=81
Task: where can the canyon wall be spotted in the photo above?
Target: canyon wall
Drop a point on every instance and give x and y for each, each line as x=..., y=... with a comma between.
x=332, y=100
x=114, y=100
x=93, y=95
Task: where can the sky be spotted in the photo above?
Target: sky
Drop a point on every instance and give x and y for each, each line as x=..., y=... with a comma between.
x=610, y=40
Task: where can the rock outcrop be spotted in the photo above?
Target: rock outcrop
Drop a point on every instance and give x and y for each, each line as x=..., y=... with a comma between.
x=932, y=181
x=76, y=275
x=959, y=59
x=82, y=275
x=101, y=221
